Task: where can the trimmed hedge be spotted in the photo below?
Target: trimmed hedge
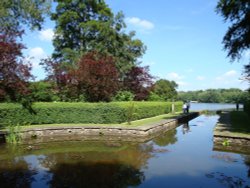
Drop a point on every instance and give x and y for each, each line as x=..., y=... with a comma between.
x=247, y=107
x=96, y=113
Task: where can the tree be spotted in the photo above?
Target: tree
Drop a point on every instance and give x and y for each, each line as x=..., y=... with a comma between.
x=83, y=26
x=16, y=13
x=237, y=38
x=95, y=76
x=165, y=89
x=14, y=73
x=139, y=82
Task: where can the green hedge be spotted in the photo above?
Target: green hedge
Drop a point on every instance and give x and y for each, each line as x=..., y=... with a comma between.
x=97, y=113
x=247, y=107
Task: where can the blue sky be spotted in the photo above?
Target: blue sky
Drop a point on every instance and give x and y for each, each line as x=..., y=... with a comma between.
x=183, y=40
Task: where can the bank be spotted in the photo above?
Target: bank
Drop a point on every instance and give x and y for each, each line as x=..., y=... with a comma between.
x=139, y=132
x=227, y=137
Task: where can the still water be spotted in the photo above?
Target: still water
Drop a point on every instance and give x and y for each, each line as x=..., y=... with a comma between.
x=182, y=157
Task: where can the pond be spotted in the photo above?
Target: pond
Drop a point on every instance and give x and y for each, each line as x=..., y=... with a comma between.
x=182, y=157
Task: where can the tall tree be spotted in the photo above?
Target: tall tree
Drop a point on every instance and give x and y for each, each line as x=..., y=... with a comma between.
x=89, y=25
x=16, y=13
x=237, y=38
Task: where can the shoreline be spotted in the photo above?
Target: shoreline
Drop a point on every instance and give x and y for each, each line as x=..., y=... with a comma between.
x=225, y=138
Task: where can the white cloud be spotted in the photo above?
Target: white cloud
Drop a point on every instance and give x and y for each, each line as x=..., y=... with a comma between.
x=226, y=77
x=46, y=34
x=35, y=55
x=143, y=24
x=174, y=76
x=200, y=78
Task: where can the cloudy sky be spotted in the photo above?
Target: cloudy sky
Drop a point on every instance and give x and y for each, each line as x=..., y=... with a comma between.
x=183, y=40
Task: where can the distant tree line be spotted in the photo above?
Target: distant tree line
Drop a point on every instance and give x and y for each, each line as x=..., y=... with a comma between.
x=215, y=96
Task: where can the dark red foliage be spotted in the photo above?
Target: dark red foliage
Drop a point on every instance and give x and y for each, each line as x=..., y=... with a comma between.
x=14, y=73
x=96, y=76
x=139, y=81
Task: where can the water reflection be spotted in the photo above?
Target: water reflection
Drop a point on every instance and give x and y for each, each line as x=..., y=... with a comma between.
x=16, y=173
x=185, y=128
x=167, y=138
x=86, y=165
x=173, y=159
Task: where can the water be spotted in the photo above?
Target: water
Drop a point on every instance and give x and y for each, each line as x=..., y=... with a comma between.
x=212, y=106
x=182, y=157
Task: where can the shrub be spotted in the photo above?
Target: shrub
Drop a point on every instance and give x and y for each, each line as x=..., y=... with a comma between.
x=97, y=113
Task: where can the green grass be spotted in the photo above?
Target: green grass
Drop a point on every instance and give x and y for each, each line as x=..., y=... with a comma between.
x=152, y=119
x=240, y=122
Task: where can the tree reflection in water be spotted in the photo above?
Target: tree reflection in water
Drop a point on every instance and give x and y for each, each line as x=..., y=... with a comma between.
x=84, y=174
x=77, y=164
x=15, y=173
x=167, y=138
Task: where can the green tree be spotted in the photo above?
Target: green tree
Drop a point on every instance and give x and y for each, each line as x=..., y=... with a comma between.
x=14, y=14
x=89, y=25
x=165, y=89
x=237, y=38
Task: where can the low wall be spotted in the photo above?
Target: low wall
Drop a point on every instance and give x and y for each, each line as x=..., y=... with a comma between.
x=139, y=134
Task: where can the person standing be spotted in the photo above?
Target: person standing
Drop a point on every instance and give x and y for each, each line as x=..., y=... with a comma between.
x=188, y=106
x=184, y=108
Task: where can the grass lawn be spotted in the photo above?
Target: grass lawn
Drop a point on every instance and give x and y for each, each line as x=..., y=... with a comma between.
x=240, y=121
x=125, y=124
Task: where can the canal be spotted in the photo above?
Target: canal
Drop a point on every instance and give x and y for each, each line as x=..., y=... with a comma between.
x=182, y=157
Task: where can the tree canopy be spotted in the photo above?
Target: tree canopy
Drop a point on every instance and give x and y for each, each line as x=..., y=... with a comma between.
x=164, y=90
x=83, y=26
x=15, y=14
x=237, y=38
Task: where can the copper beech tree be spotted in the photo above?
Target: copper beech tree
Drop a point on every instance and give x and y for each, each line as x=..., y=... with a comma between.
x=96, y=76
x=14, y=72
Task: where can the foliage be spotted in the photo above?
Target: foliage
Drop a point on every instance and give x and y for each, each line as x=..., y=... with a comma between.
x=61, y=112
x=42, y=91
x=154, y=97
x=124, y=96
x=165, y=89
x=215, y=96
x=139, y=82
x=13, y=135
x=14, y=14
x=247, y=107
x=240, y=121
x=130, y=112
x=96, y=76
x=14, y=73
x=85, y=26
x=237, y=38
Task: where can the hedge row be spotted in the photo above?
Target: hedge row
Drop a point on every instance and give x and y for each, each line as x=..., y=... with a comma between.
x=247, y=107
x=97, y=113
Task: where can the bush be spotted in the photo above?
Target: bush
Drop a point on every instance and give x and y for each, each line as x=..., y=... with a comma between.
x=97, y=113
